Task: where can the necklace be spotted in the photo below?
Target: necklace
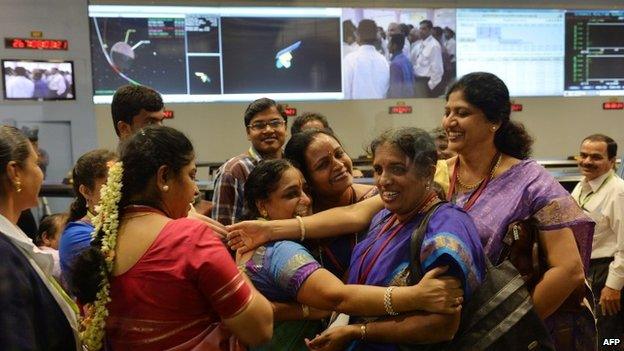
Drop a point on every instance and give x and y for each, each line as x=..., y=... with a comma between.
x=452, y=196
x=475, y=185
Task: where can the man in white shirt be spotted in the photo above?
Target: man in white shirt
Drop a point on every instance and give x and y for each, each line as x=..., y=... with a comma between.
x=56, y=82
x=601, y=195
x=415, y=45
x=428, y=67
x=366, y=72
x=20, y=86
x=349, y=39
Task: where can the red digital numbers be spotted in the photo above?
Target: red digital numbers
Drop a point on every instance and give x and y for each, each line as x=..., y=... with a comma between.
x=613, y=105
x=290, y=111
x=36, y=44
x=400, y=109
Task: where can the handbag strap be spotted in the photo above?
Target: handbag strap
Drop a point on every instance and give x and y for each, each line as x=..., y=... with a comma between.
x=418, y=235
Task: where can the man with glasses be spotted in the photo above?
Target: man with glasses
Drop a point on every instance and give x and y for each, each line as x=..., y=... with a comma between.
x=265, y=123
x=601, y=196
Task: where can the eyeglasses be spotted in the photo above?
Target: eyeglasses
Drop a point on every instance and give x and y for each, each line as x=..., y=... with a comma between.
x=274, y=124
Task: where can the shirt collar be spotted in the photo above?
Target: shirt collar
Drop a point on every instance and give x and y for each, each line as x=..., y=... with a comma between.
x=254, y=154
x=367, y=47
x=595, y=183
x=20, y=239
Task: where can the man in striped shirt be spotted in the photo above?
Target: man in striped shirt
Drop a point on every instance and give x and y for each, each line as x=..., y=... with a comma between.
x=265, y=123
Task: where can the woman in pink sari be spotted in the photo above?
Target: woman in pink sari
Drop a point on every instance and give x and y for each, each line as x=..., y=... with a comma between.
x=171, y=283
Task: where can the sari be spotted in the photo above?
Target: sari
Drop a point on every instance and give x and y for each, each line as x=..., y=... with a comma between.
x=450, y=239
x=334, y=254
x=528, y=190
x=177, y=293
x=278, y=270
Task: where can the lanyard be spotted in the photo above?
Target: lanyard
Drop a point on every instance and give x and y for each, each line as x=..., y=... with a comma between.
x=363, y=274
x=591, y=193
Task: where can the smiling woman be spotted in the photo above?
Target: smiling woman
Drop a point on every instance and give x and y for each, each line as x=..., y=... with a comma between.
x=284, y=271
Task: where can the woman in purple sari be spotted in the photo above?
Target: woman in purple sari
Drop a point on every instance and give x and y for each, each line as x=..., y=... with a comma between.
x=493, y=180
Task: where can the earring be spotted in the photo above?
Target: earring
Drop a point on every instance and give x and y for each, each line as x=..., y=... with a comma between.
x=165, y=188
x=18, y=186
x=493, y=128
x=264, y=213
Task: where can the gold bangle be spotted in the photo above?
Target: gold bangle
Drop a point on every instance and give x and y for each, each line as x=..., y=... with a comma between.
x=387, y=300
x=301, y=228
x=306, y=310
x=363, y=332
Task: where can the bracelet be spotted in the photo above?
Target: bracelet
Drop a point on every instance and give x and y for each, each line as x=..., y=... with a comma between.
x=363, y=332
x=301, y=228
x=388, y=301
x=306, y=310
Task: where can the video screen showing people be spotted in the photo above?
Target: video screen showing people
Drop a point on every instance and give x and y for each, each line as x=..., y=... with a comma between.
x=397, y=53
x=38, y=80
x=281, y=55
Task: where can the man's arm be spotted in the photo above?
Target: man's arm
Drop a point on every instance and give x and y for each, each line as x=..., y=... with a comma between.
x=611, y=293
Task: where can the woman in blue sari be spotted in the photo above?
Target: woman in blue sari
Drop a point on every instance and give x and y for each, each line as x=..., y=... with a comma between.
x=285, y=271
x=404, y=165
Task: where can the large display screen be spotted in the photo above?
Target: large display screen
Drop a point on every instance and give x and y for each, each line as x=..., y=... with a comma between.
x=523, y=47
x=196, y=54
x=210, y=54
x=38, y=80
x=594, y=63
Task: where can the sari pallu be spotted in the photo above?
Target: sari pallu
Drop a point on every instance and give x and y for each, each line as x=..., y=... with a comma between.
x=451, y=239
x=278, y=270
x=528, y=190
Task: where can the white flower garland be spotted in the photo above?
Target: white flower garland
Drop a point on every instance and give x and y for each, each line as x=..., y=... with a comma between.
x=107, y=220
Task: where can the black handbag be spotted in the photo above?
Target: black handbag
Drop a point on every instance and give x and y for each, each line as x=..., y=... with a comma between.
x=499, y=315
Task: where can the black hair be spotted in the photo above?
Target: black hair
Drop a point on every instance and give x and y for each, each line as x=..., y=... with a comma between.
x=142, y=155
x=415, y=143
x=450, y=31
x=427, y=23
x=437, y=32
x=489, y=93
x=129, y=100
x=14, y=146
x=261, y=182
x=296, y=147
x=260, y=105
x=398, y=40
x=611, y=144
x=91, y=166
x=48, y=228
x=348, y=31
x=306, y=117
x=404, y=28
x=367, y=31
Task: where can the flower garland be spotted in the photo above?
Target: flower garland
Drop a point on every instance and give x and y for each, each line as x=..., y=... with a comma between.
x=107, y=220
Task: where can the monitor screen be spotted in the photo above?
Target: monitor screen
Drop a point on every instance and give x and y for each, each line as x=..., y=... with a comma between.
x=523, y=47
x=192, y=54
x=594, y=63
x=38, y=80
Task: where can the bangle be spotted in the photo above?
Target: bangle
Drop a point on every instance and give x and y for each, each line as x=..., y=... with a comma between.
x=301, y=228
x=388, y=301
x=363, y=332
x=306, y=310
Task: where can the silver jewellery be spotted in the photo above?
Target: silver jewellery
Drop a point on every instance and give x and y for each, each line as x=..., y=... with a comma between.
x=388, y=301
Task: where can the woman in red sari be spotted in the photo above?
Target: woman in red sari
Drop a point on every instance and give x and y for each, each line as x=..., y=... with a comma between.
x=172, y=284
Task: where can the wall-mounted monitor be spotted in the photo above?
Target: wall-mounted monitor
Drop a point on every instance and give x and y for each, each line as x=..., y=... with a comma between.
x=594, y=63
x=38, y=80
x=523, y=47
x=192, y=54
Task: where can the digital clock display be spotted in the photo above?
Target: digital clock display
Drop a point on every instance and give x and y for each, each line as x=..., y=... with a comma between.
x=400, y=109
x=36, y=44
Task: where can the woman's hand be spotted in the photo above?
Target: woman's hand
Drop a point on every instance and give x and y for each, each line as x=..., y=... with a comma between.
x=334, y=339
x=248, y=235
x=439, y=294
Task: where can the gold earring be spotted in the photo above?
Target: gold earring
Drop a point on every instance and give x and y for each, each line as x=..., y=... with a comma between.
x=18, y=186
x=165, y=188
x=264, y=213
x=494, y=128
